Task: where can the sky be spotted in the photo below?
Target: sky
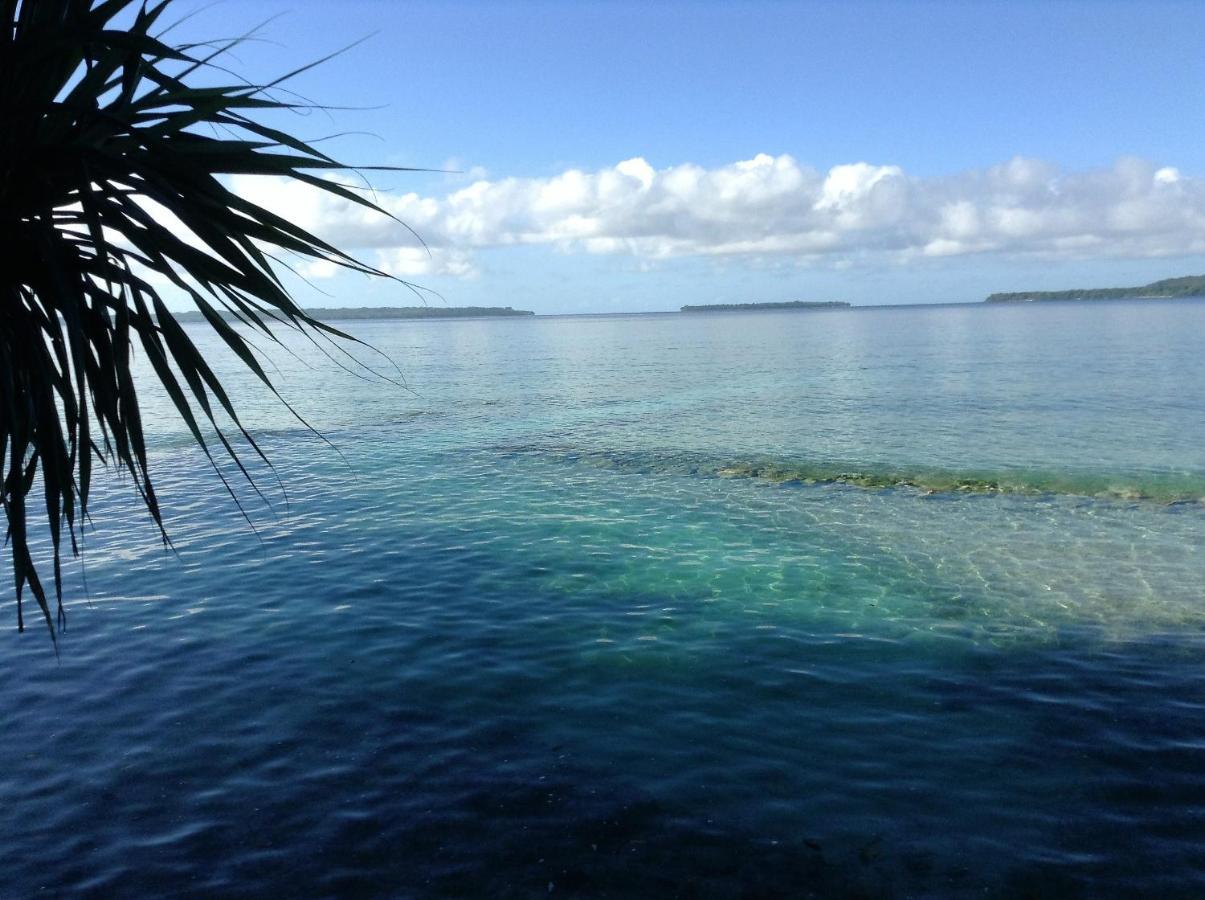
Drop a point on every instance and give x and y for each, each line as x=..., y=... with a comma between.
x=615, y=157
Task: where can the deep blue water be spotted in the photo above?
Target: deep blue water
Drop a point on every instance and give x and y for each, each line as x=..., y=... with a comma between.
x=887, y=602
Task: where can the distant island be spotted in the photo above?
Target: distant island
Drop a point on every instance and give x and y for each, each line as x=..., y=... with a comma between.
x=393, y=312
x=416, y=312
x=788, y=304
x=1167, y=289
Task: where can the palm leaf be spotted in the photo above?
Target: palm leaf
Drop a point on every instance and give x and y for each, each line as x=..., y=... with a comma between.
x=98, y=122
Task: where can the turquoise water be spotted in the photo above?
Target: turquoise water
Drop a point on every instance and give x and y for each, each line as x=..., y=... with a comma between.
x=886, y=602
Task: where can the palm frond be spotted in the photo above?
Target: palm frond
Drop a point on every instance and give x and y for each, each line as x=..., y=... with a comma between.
x=100, y=124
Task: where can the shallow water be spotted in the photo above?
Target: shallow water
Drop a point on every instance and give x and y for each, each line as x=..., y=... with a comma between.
x=872, y=602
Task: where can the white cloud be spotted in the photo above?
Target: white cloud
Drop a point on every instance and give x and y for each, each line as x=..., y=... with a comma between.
x=407, y=262
x=846, y=185
x=317, y=269
x=772, y=206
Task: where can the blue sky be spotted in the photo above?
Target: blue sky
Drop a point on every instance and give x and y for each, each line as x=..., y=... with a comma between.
x=871, y=152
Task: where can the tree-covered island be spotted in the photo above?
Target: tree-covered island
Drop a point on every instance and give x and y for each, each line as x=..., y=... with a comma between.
x=396, y=312
x=418, y=312
x=1167, y=289
x=787, y=304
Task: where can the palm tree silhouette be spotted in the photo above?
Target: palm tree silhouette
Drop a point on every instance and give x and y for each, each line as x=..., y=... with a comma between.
x=99, y=124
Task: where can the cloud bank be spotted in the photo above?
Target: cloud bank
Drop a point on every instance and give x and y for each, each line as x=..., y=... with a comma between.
x=772, y=206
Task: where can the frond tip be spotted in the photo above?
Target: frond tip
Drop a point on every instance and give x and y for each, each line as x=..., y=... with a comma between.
x=98, y=124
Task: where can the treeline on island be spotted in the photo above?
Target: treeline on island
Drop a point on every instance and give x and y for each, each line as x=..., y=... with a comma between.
x=418, y=312
x=395, y=312
x=1167, y=289
x=786, y=304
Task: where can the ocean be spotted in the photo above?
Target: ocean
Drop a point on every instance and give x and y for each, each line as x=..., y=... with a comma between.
x=865, y=602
